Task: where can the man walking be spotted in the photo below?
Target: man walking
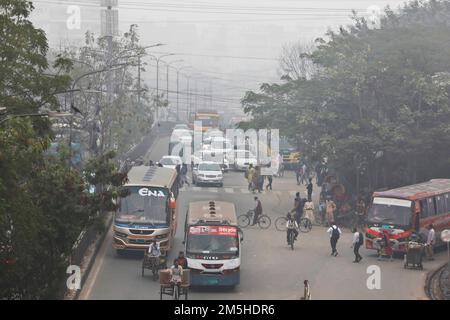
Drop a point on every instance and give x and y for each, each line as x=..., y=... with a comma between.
x=357, y=242
x=270, y=180
x=330, y=207
x=298, y=207
x=335, y=234
x=309, y=187
x=184, y=170
x=250, y=173
x=431, y=238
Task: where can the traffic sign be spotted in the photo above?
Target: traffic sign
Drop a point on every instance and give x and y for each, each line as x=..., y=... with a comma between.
x=445, y=235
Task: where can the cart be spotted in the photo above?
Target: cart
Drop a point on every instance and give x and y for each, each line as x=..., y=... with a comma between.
x=175, y=291
x=413, y=257
x=154, y=264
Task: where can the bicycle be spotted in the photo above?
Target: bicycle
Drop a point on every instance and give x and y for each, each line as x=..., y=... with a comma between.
x=291, y=239
x=304, y=225
x=263, y=221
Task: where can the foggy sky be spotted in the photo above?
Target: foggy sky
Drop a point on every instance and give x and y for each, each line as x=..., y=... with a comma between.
x=232, y=44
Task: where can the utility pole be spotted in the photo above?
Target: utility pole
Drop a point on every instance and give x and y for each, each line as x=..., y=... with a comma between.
x=139, y=80
x=109, y=22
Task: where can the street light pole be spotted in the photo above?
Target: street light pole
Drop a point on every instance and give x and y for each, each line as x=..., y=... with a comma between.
x=157, y=80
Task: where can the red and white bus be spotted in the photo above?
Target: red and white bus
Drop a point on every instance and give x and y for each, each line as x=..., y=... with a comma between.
x=406, y=212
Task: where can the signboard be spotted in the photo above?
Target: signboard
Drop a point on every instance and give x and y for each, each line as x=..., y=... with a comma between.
x=392, y=202
x=213, y=231
x=445, y=235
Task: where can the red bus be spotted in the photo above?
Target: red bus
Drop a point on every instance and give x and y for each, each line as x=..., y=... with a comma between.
x=406, y=212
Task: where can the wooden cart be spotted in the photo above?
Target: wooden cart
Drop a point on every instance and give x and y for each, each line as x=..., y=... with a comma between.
x=413, y=257
x=167, y=288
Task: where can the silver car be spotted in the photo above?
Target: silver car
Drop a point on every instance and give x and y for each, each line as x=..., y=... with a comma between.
x=207, y=172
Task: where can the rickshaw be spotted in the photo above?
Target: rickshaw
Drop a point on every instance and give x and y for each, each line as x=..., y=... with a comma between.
x=154, y=264
x=413, y=257
x=171, y=289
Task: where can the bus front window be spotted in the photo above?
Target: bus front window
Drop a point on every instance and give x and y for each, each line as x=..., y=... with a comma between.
x=213, y=240
x=390, y=212
x=144, y=205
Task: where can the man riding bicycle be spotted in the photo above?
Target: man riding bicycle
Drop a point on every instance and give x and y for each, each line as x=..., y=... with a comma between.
x=154, y=249
x=291, y=226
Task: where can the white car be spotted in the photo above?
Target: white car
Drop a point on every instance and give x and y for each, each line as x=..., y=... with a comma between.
x=242, y=159
x=207, y=172
x=170, y=161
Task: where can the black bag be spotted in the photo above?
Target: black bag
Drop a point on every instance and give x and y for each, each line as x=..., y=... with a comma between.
x=335, y=233
x=361, y=239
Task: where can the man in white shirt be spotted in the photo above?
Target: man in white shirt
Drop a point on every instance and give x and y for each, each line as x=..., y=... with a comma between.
x=335, y=234
x=154, y=249
x=431, y=238
x=357, y=241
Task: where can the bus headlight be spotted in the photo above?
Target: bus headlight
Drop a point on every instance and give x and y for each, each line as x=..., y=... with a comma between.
x=233, y=264
x=161, y=236
x=120, y=234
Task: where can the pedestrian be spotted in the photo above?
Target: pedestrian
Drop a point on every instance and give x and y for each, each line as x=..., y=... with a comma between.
x=269, y=185
x=250, y=173
x=431, y=238
x=258, y=211
x=178, y=169
x=184, y=170
x=309, y=187
x=335, y=234
x=150, y=163
x=298, y=173
x=330, y=208
x=309, y=211
x=304, y=174
x=357, y=242
x=298, y=207
x=256, y=179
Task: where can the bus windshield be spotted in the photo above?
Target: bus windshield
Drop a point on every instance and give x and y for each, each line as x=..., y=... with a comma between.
x=144, y=205
x=209, y=122
x=213, y=240
x=390, y=212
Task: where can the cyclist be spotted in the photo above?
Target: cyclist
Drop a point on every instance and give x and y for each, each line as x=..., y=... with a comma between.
x=154, y=249
x=291, y=226
x=257, y=211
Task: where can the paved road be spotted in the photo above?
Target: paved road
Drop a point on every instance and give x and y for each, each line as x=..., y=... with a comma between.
x=270, y=270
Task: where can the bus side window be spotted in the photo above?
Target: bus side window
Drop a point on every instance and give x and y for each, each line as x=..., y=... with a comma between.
x=441, y=207
x=431, y=207
x=424, y=208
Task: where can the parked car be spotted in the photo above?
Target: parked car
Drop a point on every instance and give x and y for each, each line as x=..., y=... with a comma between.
x=207, y=172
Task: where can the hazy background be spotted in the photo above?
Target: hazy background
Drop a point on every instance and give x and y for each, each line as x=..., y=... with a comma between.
x=232, y=45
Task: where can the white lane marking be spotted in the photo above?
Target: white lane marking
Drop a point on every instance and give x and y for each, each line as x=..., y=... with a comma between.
x=292, y=193
x=229, y=190
x=92, y=277
x=196, y=188
x=213, y=190
x=245, y=191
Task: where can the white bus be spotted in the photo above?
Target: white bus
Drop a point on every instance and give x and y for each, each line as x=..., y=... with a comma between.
x=148, y=211
x=213, y=243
